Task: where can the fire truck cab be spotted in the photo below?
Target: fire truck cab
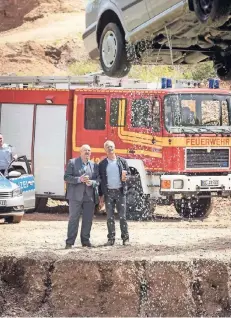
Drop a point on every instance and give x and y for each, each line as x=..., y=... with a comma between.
x=176, y=140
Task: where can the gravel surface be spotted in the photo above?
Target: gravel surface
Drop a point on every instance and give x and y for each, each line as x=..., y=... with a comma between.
x=166, y=238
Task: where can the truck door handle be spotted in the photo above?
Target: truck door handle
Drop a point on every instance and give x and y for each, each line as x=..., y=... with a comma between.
x=131, y=151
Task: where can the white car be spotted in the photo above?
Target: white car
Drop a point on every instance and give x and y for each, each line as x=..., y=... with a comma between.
x=125, y=32
x=17, y=192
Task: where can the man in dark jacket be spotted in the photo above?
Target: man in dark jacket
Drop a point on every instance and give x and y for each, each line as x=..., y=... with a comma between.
x=82, y=178
x=113, y=172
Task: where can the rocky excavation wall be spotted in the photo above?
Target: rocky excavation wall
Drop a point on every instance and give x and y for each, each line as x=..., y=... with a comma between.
x=50, y=286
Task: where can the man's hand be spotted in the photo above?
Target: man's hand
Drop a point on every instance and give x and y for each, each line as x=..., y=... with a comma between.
x=84, y=178
x=89, y=183
x=101, y=202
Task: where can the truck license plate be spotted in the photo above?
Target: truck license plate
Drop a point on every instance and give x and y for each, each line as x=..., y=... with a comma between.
x=2, y=202
x=209, y=183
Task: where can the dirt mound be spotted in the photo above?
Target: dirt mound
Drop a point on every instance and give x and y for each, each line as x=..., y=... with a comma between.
x=43, y=286
x=41, y=37
x=14, y=13
x=33, y=58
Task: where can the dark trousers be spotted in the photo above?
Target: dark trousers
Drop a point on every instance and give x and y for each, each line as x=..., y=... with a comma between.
x=86, y=206
x=115, y=198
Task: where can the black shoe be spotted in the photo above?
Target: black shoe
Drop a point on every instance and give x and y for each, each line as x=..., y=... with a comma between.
x=126, y=241
x=87, y=244
x=110, y=243
x=68, y=246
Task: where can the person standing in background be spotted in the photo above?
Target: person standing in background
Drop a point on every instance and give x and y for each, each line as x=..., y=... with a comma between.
x=82, y=178
x=114, y=172
x=7, y=154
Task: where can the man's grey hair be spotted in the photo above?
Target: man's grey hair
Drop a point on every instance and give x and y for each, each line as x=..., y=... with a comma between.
x=84, y=147
x=109, y=143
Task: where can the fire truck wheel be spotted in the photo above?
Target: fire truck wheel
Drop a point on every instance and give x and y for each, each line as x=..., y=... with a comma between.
x=41, y=204
x=222, y=66
x=212, y=11
x=138, y=207
x=194, y=209
x=113, y=55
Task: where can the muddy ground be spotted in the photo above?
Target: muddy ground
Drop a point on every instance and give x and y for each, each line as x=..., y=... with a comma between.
x=173, y=267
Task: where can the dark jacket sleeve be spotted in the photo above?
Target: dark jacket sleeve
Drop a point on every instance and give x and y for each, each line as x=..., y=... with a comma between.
x=100, y=175
x=69, y=174
x=96, y=179
x=127, y=167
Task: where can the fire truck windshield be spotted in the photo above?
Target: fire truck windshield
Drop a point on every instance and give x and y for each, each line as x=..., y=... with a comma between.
x=193, y=113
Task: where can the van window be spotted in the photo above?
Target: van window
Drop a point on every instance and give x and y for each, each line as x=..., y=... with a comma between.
x=118, y=108
x=95, y=114
x=141, y=113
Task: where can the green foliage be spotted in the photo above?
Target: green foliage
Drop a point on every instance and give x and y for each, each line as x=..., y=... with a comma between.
x=203, y=71
x=83, y=67
x=151, y=73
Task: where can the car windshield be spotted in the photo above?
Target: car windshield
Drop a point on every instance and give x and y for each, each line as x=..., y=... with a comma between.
x=195, y=113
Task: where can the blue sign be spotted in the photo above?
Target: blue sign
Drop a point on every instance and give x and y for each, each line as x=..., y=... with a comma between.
x=26, y=183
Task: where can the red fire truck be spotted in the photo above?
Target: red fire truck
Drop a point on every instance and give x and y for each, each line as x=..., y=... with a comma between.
x=176, y=140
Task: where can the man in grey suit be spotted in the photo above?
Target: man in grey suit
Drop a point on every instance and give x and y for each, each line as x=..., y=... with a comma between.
x=82, y=178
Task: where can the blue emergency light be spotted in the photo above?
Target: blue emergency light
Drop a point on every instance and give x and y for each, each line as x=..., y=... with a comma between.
x=166, y=82
x=214, y=83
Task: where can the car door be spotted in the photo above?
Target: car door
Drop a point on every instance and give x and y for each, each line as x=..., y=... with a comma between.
x=134, y=12
x=26, y=181
x=159, y=6
x=90, y=122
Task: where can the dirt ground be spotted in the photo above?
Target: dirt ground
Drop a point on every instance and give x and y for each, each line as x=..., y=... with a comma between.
x=41, y=37
x=167, y=237
x=172, y=268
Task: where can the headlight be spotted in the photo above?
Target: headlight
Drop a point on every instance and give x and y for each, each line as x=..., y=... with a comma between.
x=178, y=184
x=17, y=192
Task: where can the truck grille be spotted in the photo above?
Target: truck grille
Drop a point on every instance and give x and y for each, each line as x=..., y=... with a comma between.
x=4, y=195
x=201, y=158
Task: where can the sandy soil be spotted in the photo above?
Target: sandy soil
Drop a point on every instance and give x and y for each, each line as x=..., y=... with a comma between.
x=166, y=237
x=45, y=39
x=52, y=28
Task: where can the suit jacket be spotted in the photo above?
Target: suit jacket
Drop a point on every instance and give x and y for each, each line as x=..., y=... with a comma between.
x=75, y=188
x=122, y=164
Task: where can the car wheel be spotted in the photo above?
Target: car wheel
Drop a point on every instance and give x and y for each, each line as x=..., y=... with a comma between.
x=14, y=219
x=113, y=56
x=212, y=10
x=223, y=68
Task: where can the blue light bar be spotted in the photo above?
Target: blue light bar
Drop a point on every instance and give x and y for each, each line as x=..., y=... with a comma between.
x=214, y=83
x=166, y=82
x=169, y=83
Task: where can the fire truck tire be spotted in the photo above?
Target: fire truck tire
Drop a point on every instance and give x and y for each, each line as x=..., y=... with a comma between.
x=41, y=204
x=138, y=207
x=194, y=209
x=212, y=11
x=113, y=55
